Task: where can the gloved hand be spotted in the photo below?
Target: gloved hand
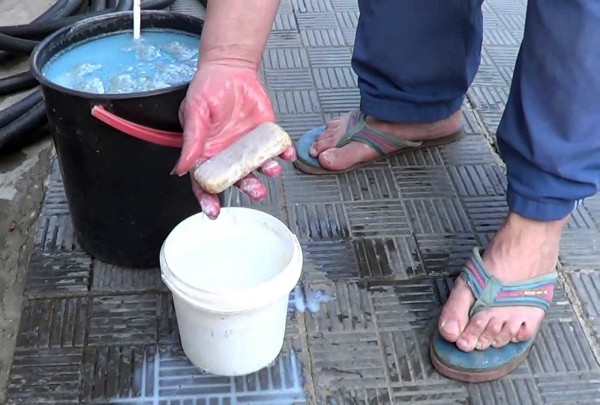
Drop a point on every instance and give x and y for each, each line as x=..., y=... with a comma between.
x=223, y=103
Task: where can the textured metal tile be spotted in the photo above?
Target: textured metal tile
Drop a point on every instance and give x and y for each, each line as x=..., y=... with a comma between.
x=592, y=205
x=587, y=291
x=279, y=80
x=123, y=319
x=311, y=6
x=437, y=216
x=59, y=272
x=346, y=360
x=430, y=157
x=580, y=249
x=285, y=58
x=388, y=258
x=403, y=305
x=302, y=188
x=358, y=395
x=347, y=19
x=489, y=97
x=499, y=37
x=283, y=40
x=48, y=376
x=429, y=394
x=53, y=323
x=296, y=125
x=445, y=254
x=581, y=218
x=423, y=182
x=322, y=37
x=318, y=221
x=478, y=180
x=470, y=150
x=308, y=21
x=569, y=389
x=107, y=278
x=329, y=57
x=339, y=101
x=295, y=102
x=335, y=78
x=486, y=213
x=491, y=119
x=348, y=311
x=377, y=219
x=334, y=259
x=285, y=22
x=368, y=184
x=344, y=5
x=522, y=391
x=349, y=36
x=56, y=233
x=469, y=121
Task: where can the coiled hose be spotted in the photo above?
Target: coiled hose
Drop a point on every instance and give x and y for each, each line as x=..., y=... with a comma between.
x=25, y=121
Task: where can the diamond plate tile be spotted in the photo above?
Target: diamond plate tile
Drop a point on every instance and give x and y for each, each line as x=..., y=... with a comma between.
x=489, y=97
x=430, y=157
x=53, y=323
x=377, y=219
x=469, y=121
x=56, y=233
x=285, y=22
x=295, y=102
x=581, y=218
x=388, y=258
x=296, y=125
x=318, y=221
x=592, y=206
x=58, y=273
x=335, y=78
x=567, y=389
x=168, y=332
x=423, y=182
x=403, y=305
x=329, y=57
x=586, y=287
x=437, y=216
x=347, y=19
x=499, y=37
x=445, y=254
x=429, y=394
x=279, y=80
x=283, y=40
x=55, y=200
x=123, y=319
x=344, y=5
x=514, y=22
x=45, y=376
x=346, y=360
x=108, y=278
x=371, y=396
x=478, y=180
x=285, y=58
x=368, y=184
x=322, y=37
x=580, y=248
x=348, y=311
x=506, y=391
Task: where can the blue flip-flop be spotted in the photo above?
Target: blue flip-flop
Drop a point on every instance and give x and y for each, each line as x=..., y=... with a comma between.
x=492, y=363
x=359, y=131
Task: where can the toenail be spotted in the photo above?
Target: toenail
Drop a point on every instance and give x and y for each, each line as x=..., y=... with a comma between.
x=479, y=345
x=462, y=342
x=451, y=327
x=329, y=157
x=313, y=151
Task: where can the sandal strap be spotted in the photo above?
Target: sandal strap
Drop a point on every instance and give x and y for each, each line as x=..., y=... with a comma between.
x=491, y=292
x=359, y=131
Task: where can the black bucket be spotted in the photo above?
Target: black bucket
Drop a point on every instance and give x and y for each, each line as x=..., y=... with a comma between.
x=122, y=198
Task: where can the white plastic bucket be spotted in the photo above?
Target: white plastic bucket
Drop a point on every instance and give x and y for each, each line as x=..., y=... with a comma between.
x=231, y=278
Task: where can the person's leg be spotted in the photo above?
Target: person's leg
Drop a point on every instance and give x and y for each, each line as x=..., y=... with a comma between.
x=549, y=138
x=415, y=61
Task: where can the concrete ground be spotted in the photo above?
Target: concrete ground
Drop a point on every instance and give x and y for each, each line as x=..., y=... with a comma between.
x=23, y=177
x=381, y=247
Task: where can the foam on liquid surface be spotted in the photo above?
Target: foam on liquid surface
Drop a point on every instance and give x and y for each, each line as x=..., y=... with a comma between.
x=119, y=64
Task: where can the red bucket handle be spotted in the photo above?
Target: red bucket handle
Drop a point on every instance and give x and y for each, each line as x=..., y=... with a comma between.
x=157, y=136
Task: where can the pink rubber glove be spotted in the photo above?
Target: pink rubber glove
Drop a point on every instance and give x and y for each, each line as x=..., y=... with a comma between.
x=223, y=103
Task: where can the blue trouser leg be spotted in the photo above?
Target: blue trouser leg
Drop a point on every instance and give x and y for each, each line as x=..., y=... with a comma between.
x=549, y=135
x=415, y=59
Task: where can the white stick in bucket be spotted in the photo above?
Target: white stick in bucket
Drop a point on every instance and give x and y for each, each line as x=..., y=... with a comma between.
x=137, y=11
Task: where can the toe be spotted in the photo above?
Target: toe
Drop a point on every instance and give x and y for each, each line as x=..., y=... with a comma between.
x=489, y=334
x=527, y=331
x=322, y=143
x=346, y=156
x=508, y=332
x=455, y=314
x=475, y=328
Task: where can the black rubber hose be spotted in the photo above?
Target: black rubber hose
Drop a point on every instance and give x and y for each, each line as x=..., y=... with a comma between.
x=29, y=121
x=9, y=114
x=156, y=4
x=17, y=143
x=98, y=5
x=15, y=83
x=18, y=45
x=111, y=3
x=125, y=5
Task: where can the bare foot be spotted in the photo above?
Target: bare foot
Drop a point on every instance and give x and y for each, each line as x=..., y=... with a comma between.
x=522, y=249
x=334, y=159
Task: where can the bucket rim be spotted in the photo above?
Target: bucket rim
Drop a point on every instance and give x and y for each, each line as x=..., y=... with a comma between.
x=247, y=299
x=42, y=80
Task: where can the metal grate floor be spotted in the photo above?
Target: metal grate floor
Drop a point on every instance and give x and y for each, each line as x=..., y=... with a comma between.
x=381, y=246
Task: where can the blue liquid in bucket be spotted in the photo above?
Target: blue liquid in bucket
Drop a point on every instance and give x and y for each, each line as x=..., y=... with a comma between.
x=119, y=64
